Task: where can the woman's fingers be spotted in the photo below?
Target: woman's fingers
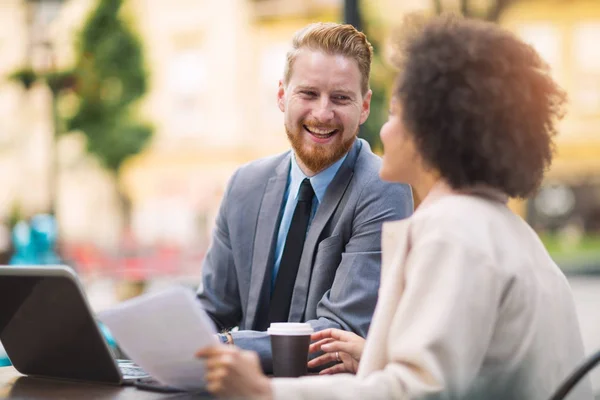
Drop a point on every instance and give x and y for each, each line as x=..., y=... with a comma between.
x=314, y=347
x=337, y=345
x=230, y=371
x=208, y=351
x=322, y=359
x=336, y=369
x=332, y=333
x=211, y=363
x=324, y=334
x=215, y=374
x=217, y=358
x=215, y=351
x=339, y=334
x=215, y=387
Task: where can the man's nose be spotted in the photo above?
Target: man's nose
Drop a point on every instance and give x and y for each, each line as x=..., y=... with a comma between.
x=324, y=111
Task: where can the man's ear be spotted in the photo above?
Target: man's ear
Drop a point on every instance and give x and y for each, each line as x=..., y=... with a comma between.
x=281, y=96
x=366, y=107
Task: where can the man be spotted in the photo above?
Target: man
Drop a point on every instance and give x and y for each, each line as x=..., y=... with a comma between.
x=297, y=237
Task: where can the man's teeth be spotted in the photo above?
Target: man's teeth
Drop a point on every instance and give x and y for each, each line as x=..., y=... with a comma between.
x=321, y=132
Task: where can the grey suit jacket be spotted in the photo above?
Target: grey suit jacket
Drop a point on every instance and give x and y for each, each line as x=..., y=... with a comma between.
x=338, y=276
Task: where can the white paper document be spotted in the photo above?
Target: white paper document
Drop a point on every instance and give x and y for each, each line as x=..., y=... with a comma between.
x=161, y=332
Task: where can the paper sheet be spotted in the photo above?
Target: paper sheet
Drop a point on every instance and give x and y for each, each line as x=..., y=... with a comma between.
x=161, y=332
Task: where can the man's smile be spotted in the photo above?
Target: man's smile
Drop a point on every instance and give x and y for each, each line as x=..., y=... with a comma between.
x=320, y=135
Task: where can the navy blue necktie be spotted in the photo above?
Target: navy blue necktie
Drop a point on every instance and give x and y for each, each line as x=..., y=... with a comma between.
x=292, y=252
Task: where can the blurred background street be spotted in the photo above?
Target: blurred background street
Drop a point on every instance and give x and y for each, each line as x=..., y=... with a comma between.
x=122, y=120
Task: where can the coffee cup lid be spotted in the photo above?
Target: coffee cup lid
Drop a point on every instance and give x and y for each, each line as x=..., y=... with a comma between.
x=290, y=328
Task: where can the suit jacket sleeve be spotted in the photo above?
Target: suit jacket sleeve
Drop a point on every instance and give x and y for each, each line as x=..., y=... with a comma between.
x=439, y=333
x=350, y=302
x=218, y=292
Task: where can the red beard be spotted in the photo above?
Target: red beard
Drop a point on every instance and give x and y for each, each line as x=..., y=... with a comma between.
x=317, y=157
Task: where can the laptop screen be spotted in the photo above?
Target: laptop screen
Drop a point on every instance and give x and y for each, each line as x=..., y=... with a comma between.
x=47, y=330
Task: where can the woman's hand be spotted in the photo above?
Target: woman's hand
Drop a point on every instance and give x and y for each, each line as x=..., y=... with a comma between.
x=231, y=372
x=339, y=346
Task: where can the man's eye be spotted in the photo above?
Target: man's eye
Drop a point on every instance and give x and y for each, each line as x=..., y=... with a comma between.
x=309, y=93
x=341, y=98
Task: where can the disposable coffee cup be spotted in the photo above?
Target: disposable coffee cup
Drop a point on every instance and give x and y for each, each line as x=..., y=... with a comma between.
x=289, y=347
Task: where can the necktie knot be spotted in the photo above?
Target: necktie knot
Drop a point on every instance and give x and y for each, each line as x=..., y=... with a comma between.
x=306, y=191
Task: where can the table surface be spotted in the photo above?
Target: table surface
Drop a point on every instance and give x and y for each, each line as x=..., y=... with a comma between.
x=13, y=385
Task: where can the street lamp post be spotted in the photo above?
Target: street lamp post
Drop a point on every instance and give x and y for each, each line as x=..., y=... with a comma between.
x=40, y=14
x=352, y=14
x=352, y=17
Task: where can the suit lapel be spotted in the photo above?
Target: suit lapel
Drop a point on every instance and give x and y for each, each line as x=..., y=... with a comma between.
x=264, y=240
x=333, y=195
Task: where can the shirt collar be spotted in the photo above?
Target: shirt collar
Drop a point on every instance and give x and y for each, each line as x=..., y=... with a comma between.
x=319, y=182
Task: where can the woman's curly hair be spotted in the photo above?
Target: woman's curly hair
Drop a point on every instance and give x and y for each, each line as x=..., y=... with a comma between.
x=480, y=103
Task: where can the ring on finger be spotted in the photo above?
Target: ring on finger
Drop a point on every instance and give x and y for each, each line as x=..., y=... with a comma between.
x=337, y=356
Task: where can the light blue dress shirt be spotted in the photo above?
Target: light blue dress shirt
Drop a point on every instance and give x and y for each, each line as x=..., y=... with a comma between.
x=319, y=183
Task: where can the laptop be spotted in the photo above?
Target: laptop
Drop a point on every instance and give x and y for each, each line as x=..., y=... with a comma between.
x=48, y=329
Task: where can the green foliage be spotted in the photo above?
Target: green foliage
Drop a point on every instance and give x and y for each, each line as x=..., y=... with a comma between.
x=58, y=81
x=382, y=78
x=379, y=106
x=113, y=141
x=110, y=79
x=15, y=215
x=24, y=76
x=107, y=81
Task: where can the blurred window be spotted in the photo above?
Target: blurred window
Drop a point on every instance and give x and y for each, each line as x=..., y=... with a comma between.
x=272, y=63
x=43, y=13
x=586, y=55
x=187, y=81
x=587, y=49
x=546, y=39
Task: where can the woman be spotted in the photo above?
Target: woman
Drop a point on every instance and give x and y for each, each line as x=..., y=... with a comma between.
x=470, y=304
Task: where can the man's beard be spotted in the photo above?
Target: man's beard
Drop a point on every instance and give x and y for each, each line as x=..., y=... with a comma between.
x=318, y=157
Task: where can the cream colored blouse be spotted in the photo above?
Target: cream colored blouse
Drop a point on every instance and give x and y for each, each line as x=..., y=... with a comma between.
x=470, y=306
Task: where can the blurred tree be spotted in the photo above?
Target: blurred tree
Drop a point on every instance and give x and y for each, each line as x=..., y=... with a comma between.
x=370, y=129
x=382, y=78
x=110, y=78
x=101, y=91
x=25, y=76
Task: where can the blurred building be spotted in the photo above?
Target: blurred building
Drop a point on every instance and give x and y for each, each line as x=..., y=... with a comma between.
x=214, y=67
x=567, y=35
x=41, y=36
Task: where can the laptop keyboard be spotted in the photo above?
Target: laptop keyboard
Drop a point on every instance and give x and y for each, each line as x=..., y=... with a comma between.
x=130, y=370
x=135, y=372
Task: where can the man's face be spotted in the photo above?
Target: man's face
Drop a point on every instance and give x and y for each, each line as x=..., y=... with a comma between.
x=323, y=107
